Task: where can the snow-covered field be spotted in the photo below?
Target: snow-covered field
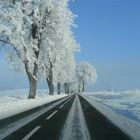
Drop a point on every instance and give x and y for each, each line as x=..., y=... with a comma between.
x=15, y=101
x=122, y=108
x=126, y=103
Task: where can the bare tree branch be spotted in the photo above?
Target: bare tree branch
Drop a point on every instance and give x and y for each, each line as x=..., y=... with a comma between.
x=5, y=41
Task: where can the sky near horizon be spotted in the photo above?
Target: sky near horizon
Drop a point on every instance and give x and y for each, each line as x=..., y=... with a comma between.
x=109, y=34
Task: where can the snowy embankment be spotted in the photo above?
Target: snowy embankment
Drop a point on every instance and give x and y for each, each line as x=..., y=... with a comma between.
x=115, y=105
x=125, y=103
x=13, y=102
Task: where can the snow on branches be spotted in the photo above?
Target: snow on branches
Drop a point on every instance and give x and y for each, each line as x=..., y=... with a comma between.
x=39, y=33
x=86, y=74
x=41, y=41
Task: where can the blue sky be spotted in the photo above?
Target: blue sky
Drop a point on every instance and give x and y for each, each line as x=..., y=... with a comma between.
x=109, y=34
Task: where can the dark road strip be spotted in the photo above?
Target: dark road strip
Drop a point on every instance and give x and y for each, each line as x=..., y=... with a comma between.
x=46, y=126
x=31, y=133
x=100, y=128
x=51, y=128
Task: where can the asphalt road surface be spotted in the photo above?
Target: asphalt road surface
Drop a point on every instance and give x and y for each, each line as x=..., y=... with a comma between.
x=100, y=128
x=72, y=119
x=46, y=127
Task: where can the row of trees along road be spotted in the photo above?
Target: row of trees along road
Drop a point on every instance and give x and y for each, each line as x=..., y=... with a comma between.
x=41, y=43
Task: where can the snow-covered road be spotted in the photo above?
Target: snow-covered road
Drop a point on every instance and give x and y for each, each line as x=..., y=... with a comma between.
x=75, y=127
x=72, y=118
x=84, y=122
x=129, y=126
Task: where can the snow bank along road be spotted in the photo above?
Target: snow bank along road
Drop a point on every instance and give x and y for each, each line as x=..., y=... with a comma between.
x=72, y=118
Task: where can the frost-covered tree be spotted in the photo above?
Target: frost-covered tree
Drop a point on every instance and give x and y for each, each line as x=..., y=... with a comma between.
x=86, y=74
x=25, y=24
x=39, y=33
x=17, y=25
x=65, y=72
x=60, y=45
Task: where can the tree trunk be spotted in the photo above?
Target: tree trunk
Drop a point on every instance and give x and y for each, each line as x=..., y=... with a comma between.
x=32, y=82
x=58, y=88
x=33, y=86
x=66, y=85
x=79, y=89
x=68, y=89
x=51, y=86
x=83, y=88
x=65, y=88
x=50, y=81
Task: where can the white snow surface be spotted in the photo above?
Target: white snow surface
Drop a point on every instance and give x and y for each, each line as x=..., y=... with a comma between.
x=126, y=103
x=122, y=108
x=13, y=102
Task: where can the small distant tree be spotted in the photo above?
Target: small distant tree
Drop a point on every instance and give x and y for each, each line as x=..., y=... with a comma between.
x=86, y=74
